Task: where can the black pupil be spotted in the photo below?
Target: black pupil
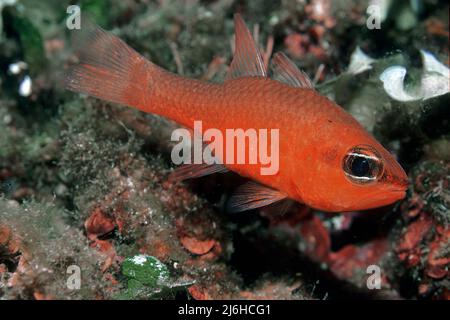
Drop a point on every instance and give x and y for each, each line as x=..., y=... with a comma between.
x=360, y=167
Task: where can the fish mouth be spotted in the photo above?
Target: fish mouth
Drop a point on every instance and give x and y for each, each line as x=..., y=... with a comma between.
x=401, y=186
x=398, y=184
x=384, y=197
x=398, y=190
x=395, y=194
x=402, y=183
x=399, y=193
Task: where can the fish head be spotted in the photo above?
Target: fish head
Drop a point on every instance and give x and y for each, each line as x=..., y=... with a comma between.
x=352, y=171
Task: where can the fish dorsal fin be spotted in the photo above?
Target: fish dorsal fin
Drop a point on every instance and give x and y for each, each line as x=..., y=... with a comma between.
x=190, y=171
x=252, y=195
x=286, y=71
x=247, y=60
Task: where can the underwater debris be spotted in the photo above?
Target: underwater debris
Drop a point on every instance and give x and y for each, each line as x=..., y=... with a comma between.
x=25, y=86
x=435, y=80
x=359, y=62
x=17, y=67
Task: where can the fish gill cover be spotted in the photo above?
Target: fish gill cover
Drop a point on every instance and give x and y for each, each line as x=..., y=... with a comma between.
x=87, y=209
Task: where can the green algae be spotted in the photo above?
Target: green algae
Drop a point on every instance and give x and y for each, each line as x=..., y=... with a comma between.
x=30, y=39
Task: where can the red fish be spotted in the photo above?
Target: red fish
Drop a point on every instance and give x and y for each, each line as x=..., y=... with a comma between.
x=327, y=160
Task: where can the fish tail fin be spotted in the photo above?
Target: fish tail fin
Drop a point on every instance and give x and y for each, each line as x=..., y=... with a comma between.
x=108, y=68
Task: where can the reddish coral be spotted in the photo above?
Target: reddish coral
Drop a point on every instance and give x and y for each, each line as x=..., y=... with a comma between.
x=5, y=235
x=157, y=248
x=414, y=206
x=351, y=258
x=408, y=249
x=194, y=235
x=438, y=265
x=316, y=237
x=296, y=45
x=214, y=253
x=41, y=296
x=9, y=241
x=437, y=27
x=98, y=224
x=198, y=293
x=197, y=246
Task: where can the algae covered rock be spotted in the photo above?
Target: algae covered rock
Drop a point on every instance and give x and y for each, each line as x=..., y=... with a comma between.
x=146, y=270
x=147, y=276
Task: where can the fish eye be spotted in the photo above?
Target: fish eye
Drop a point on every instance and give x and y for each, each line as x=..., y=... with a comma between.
x=362, y=164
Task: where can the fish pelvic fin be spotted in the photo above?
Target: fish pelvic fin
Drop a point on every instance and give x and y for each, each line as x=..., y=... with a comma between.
x=252, y=195
x=190, y=171
x=247, y=59
x=107, y=67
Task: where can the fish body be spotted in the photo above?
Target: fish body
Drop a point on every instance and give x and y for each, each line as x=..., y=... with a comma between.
x=320, y=145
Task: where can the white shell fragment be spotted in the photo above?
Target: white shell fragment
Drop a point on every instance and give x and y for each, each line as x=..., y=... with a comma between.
x=359, y=62
x=431, y=64
x=17, y=67
x=435, y=80
x=393, y=78
x=25, y=86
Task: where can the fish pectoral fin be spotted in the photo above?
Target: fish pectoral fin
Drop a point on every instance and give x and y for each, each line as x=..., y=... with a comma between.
x=285, y=70
x=189, y=171
x=247, y=59
x=252, y=195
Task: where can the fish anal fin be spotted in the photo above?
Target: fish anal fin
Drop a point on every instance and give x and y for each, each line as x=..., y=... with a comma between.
x=189, y=171
x=285, y=70
x=252, y=195
x=247, y=59
x=279, y=209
